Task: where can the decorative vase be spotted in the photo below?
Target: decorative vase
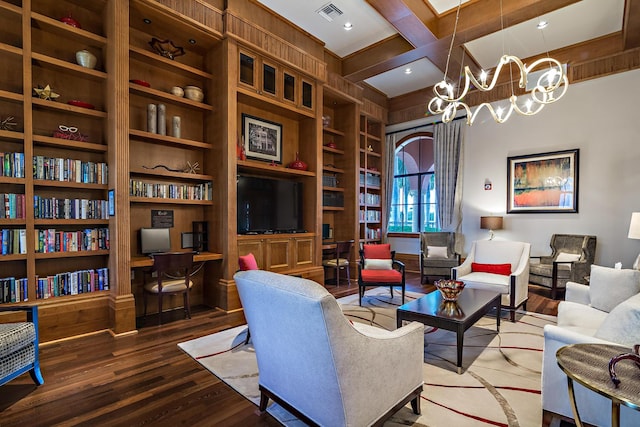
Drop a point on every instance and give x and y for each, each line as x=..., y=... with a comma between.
x=240, y=153
x=177, y=91
x=161, y=128
x=70, y=21
x=175, y=126
x=152, y=118
x=86, y=59
x=298, y=164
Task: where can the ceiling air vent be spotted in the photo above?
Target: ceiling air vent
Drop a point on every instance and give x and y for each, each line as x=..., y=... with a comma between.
x=329, y=12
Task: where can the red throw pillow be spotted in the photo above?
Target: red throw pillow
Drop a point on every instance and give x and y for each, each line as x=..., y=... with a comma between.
x=247, y=262
x=377, y=251
x=504, y=269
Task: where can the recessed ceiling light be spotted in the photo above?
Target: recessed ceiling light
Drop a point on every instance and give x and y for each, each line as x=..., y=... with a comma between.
x=348, y=26
x=542, y=24
x=407, y=71
x=146, y=21
x=192, y=41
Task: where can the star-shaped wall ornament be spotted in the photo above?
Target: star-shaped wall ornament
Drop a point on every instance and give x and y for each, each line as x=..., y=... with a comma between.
x=46, y=93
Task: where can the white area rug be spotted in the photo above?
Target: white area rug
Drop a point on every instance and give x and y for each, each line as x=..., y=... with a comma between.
x=500, y=385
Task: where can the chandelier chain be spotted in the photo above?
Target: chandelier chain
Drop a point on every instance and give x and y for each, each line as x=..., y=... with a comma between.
x=453, y=37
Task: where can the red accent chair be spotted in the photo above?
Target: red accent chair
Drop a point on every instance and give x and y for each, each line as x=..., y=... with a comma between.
x=378, y=267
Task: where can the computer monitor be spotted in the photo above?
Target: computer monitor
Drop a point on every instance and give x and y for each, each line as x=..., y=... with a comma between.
x=325, y=232
x=154, y=240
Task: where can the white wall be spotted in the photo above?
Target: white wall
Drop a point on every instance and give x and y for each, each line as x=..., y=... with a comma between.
x=600, y=117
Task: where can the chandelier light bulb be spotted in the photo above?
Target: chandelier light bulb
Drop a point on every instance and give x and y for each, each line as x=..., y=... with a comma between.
x=483, y=77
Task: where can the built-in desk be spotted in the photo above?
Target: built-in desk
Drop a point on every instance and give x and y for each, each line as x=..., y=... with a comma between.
x=146, y=261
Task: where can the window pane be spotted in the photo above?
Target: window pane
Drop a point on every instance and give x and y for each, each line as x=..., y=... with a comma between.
x=414, y=205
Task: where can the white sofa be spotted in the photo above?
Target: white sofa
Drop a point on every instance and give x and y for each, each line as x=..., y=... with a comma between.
x=607, y=311
x=513, y=287
x=320, y=366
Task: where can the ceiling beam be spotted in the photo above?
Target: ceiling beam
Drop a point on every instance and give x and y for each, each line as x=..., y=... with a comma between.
x=406, y=20
x=476, y=20
x=631, y=24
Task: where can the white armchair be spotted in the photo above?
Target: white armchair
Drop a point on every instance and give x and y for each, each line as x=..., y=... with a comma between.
x=608, y=312
x=318, y=365
x=482, y=269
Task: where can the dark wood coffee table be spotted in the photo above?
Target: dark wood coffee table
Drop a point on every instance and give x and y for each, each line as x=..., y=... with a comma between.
x=433, y=310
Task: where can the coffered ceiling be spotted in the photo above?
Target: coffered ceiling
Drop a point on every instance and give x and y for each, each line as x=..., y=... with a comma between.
x=387, y=37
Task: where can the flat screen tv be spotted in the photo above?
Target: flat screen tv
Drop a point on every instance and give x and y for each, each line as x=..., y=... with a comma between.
x=154, y=240
x=269, y=205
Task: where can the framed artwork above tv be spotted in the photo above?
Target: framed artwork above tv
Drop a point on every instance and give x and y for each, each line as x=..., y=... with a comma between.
x=262, y=139
x=543, y=183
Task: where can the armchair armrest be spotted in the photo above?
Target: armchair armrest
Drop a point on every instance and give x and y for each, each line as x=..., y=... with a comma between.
x=398, y=264
x=462, y=269
x=577, y=292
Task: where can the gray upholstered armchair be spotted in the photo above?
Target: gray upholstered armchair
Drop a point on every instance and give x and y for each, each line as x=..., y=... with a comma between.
x=317, y=364
x=570, y=260
x=437, y=254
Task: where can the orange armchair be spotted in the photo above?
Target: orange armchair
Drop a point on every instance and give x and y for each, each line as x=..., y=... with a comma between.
x=378, y=267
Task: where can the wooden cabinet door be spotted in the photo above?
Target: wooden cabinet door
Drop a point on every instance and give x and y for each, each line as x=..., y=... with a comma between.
x=278, y=254
x=256, y=247
x=303, y=252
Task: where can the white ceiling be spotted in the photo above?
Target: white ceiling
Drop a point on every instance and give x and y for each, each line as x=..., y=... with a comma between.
x=368, y=26
x=584, y=20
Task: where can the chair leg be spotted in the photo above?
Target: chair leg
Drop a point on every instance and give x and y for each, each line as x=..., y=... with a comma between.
x=35, y=373
x=144, y=300
x=348, y=276
x=512, y=315
x=264, y=399
x=403, y=294
x=415, y=405
x=391, y=290
x=159, y=308
x=337, y=275
x=360, y=292
x=187, y=304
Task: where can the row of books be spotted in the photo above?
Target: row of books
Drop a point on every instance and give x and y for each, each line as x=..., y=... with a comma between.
x=13, y=241
x=202, y=191
x=90, y=239
x=69, y=170
x=72, y=283
x=54, y=208
x=13, y=290
x=373, y=233
x=370, y=216
x=12, y=164
x=12, y=206
x=369, y=199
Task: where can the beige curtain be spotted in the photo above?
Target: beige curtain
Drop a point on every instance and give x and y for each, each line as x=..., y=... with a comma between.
x=448, y=149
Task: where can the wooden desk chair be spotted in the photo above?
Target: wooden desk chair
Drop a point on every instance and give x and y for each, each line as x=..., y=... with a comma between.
x=339, y=260
x=173, y=277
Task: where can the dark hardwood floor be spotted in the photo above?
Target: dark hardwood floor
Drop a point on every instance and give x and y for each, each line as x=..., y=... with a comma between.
x=145, y=379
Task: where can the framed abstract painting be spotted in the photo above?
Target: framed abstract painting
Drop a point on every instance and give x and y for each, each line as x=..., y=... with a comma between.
x=543, y=183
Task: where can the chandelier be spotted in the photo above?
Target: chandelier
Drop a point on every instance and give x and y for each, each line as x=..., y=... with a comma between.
x=550, y=85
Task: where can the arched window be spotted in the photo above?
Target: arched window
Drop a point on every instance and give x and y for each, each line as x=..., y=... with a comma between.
x=413, y=206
